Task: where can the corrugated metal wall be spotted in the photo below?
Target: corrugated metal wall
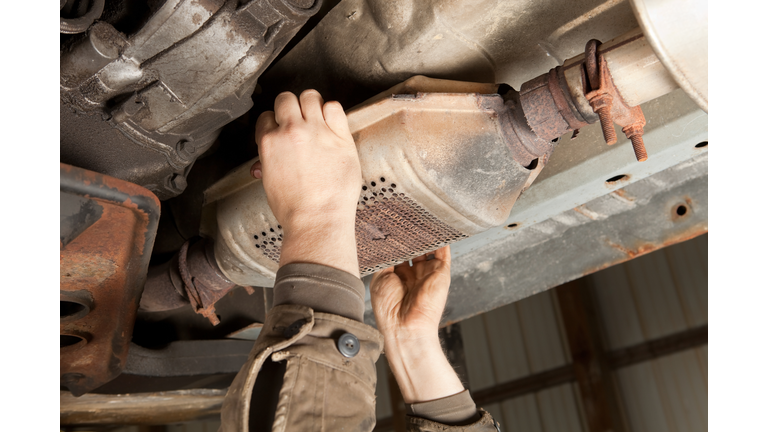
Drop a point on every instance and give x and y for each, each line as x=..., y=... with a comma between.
x=652, y=296
x=655, y=295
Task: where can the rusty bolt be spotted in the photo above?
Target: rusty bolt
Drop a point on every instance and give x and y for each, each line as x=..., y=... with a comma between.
x=602, y=104
x=635, y=134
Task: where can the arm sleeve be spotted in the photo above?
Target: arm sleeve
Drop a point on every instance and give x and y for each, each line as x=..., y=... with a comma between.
x=322, y=288
x=301, y=374
x=297, y=378
x=457, y=413
x=458, y=409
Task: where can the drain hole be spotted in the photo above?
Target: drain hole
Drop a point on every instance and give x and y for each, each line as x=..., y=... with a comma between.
x=681, y=210
x=69, y=340
x=532, y=166
x=617, y=178
x=68, y=309
x=702, y=144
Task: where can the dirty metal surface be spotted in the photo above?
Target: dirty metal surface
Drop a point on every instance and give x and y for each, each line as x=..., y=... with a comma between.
x=140, y=408
x=661, y=210
x=579, y=169
x=105, y=248
x=480, y=40
x=144, y=106
x=436, y=167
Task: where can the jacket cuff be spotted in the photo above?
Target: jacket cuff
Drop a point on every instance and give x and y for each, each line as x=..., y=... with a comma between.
x=322, y=288
x=458, y=409
x=485, y=423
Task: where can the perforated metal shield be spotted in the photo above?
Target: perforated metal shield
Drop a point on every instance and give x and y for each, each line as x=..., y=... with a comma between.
x=390, y=228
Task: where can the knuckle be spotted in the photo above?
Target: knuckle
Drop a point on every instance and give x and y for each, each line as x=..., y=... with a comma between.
x=334, y=105
x=310, y=92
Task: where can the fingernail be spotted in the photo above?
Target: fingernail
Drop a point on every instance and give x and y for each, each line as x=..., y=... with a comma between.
x=256, y=173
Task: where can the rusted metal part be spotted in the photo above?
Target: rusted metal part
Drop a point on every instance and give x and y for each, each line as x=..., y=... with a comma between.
x=548, y=108
x=103, y=268
x=204, y=282
x=140, y=408
x=515, y=117
x=191, y=277
x=164, y=289
x=608, y=104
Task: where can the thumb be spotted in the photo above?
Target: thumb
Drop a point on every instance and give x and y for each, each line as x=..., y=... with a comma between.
x=256, y=170
x=336, y=119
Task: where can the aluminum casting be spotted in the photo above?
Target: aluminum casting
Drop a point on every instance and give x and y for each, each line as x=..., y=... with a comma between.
x=144, y=107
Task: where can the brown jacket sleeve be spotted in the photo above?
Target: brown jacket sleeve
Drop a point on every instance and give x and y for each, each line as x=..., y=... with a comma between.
x=312, y=368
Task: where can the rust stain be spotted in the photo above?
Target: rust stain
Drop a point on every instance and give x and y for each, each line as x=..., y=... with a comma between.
x=587, y=212
x=108, y=261
x=646, y=248
x=622, y=195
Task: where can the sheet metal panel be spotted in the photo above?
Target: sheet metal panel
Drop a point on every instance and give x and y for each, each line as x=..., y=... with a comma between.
x=654, y=295
x=559, y=412
x=521, y=414
x=514, y=341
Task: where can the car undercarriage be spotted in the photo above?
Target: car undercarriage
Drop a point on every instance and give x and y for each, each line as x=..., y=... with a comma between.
x=488, y=125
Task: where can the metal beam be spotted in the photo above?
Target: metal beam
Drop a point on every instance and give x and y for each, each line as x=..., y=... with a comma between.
x=590, y=367
x=660, y=347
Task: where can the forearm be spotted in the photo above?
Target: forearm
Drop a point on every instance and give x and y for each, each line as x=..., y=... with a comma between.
x=421, y=369
x=326, y=239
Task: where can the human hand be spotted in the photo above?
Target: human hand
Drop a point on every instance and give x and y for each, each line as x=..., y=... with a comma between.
x=408, y=302
x=311, y=174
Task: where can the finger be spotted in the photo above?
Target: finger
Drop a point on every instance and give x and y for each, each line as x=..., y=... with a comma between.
x=376, y=279
x=264, y=125
x=336, y=119
x=311, y=105
x=444, y=254
x=419, y=259
x=287, y=109
x=405, y=272
x=256, y=170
